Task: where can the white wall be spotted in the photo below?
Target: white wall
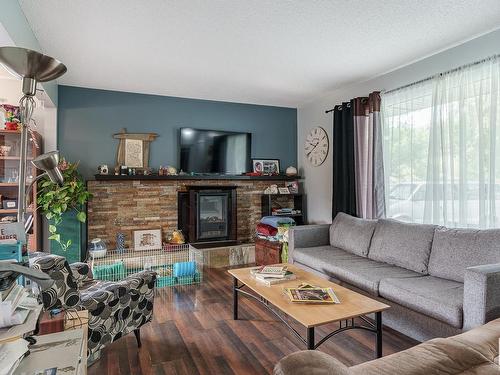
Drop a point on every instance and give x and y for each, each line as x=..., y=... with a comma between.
x=318, y=180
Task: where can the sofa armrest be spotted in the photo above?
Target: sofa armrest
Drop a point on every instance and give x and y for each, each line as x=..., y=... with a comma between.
x=307, y=236
x=141, y=283
x=310, y=362
x=481, y=295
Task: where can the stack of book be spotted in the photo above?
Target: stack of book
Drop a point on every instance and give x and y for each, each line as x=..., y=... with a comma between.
x=285, y=211
x=271, y=275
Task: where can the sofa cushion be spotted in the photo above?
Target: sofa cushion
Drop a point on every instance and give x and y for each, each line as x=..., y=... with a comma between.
x=434, y=357
x=351, y=233
x=355, y=270
x=453, y=250
x=402, y=244
x=438, y=298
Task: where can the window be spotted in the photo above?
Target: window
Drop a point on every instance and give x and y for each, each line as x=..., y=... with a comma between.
x=441, y=144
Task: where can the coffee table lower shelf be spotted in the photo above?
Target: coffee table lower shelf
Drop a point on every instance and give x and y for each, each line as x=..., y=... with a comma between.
x=310, y=341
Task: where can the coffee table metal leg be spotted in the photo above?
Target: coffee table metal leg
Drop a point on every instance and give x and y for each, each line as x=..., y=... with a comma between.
x=235, y=298
x=378, y=323
x=311, y=345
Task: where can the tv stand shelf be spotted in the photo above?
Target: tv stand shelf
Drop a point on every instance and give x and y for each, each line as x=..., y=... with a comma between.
x=110, y=177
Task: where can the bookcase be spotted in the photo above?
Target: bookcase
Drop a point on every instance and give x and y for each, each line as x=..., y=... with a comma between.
x=10, y=146
x=272, y=203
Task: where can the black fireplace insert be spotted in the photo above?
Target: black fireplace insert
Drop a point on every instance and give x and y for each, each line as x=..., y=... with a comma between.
x=208, y=213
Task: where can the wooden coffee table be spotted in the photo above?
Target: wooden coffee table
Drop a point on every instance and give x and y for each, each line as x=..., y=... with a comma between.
x=352, y=305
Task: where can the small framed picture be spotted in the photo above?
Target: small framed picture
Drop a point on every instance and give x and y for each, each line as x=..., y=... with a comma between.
x=266, y=166
x=283, y=190
x=149, y=239
x=293, y=187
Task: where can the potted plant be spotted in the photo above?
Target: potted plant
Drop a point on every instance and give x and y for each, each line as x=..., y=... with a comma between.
x=63, y=206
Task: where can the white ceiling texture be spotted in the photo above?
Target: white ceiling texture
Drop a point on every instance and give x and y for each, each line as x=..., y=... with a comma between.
x=273, y=52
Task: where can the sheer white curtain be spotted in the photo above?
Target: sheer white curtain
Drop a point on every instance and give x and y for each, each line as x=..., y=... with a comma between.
x=442, y=148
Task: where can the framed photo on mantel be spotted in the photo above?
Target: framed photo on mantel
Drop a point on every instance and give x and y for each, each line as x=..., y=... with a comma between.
x=133, y=149
x=266, y=166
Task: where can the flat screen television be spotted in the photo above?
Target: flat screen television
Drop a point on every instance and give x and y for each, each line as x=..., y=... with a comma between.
x=215, y=151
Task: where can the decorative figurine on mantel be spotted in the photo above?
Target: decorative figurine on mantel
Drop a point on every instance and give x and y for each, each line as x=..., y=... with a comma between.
x=133, y=149
x=291, y=171
x=120, y=242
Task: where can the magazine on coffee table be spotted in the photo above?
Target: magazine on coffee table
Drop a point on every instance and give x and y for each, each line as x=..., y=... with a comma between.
x=312, y=294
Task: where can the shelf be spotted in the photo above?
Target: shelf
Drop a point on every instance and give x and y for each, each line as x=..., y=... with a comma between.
x=283, y=195
x=99, y=177
x=12, y=210
x=290, y=215
x=13, y=158
x=11, y=184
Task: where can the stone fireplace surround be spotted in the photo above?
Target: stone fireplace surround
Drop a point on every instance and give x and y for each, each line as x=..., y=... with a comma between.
x=128, y=203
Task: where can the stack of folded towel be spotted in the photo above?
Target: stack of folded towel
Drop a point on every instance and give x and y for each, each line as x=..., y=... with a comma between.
x=272, y=228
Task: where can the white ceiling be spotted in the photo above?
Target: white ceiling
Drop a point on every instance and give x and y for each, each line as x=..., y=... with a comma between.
x=253, y=51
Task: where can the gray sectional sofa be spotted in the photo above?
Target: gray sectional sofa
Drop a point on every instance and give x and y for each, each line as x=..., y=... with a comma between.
x=438, y=281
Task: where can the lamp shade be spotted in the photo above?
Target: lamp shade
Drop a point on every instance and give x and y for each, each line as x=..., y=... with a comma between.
x=26, y=63
x=48, y=163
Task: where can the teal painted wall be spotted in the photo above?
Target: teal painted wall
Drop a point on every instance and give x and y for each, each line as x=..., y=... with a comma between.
x=14, y=21
x=87, y=119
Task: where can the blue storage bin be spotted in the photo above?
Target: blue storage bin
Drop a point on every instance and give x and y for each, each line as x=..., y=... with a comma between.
x=184, y=269
x=11, y=251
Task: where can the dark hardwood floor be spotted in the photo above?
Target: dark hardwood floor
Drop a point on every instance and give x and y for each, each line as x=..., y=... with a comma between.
x=193, y=332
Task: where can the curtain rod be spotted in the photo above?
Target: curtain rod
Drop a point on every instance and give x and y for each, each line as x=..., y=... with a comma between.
x=443, y=73
x=434, y=76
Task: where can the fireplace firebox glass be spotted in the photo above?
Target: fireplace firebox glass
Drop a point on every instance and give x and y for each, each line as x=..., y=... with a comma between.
x=213, y=220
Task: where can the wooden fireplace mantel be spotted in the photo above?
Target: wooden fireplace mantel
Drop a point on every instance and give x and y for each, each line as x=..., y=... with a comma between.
x=112, y=177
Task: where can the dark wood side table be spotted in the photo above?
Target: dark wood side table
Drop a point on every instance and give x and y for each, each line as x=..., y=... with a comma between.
x=267, y=252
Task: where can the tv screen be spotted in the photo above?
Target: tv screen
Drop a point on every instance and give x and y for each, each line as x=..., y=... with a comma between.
x=214, y=151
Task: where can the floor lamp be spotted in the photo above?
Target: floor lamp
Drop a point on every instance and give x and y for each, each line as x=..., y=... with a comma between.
x=32, y=67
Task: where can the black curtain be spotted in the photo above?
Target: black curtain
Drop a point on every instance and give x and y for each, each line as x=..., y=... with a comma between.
x=344, y=185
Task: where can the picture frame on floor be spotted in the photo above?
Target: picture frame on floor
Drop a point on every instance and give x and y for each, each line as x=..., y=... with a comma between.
x=148, y=239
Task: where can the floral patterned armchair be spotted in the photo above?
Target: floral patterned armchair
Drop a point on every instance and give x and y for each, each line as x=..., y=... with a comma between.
x=115, y=308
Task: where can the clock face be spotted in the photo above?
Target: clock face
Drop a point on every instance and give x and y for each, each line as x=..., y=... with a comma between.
x=316, y=146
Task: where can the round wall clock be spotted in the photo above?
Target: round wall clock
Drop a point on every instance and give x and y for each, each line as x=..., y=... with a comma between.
x=316, y=146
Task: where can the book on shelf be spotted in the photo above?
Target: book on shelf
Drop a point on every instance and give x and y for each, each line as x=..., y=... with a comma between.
x=306, y=293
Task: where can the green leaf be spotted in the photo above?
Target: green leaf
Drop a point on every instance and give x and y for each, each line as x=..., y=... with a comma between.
x=81, y=216
x=55, y=237
x=52, y=229
x=68, y=243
